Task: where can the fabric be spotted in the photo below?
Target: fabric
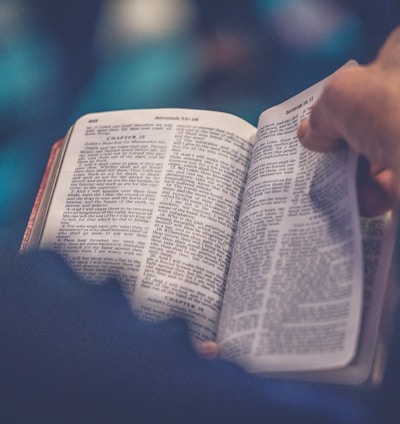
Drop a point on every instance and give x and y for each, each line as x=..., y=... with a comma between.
x=75, y=352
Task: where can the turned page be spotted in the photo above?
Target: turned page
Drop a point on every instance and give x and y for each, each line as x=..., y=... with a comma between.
x=294, y=291
x=151, y=198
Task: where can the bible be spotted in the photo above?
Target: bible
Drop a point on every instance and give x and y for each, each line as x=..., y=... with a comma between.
x=255, y=241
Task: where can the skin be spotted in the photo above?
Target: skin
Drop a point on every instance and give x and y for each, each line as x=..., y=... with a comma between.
x=360, y=107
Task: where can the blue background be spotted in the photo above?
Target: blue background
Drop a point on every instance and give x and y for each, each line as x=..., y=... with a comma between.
x=61, y=59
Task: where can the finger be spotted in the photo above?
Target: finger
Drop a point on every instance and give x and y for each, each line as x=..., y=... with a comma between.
x=208, y=349
x=331, y=115
x=313, y=134
x=376, y=188
x=389, y=53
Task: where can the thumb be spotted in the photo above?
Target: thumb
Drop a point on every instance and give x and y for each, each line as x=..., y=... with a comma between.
x=331, y=115
x=316, y=132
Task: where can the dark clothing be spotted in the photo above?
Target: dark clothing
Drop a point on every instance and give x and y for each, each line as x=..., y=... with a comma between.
x=74, y=352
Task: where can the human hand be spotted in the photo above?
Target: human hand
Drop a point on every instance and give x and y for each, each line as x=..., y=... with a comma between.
x=208, y=349
x=360, y=107
x=376, y=188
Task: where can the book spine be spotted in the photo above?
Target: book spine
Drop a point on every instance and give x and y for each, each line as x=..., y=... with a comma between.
x=39, y=196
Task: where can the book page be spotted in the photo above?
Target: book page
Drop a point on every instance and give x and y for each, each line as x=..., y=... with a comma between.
x=151, y=198
x=380, y=297
x=294, y=291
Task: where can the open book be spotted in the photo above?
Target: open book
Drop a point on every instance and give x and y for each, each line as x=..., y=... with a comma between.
x=251, y=238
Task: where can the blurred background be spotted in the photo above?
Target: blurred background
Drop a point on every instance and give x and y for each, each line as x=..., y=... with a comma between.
x=61, y=59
